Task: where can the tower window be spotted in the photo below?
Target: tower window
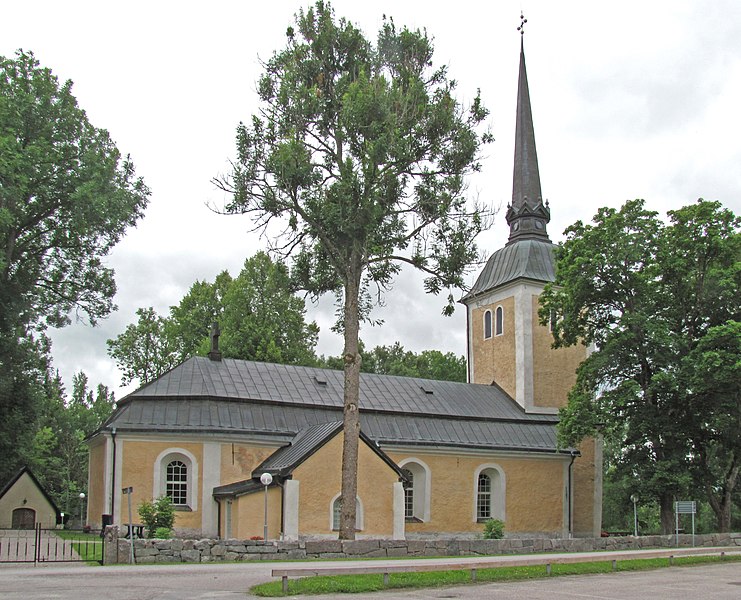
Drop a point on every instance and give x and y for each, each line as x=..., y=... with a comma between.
x=499, y=321
x=487, y=324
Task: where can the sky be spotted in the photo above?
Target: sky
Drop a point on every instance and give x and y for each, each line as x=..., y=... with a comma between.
x=630, y=99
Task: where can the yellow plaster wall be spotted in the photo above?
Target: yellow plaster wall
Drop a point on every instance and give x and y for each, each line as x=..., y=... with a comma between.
x=494, y=358
x=25, y=494
x=320, y=480
x=533, y=493
x=248, y=515
x=96, y=505
x=239, y=460
x=554, y=370
x=585, y=469
x=138, y=464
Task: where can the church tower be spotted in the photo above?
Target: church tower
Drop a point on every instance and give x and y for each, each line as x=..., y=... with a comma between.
x=507, y=346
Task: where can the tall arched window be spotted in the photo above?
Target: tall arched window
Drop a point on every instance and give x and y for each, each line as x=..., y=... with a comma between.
x=483, y=498
x=176, y=476
x=417, y=491
x=499, y=321
x=487, y=324
x=176, y=483
x=489, y=493
x=408, y=494
x=336, y=508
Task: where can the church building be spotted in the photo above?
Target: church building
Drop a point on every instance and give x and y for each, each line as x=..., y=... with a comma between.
x=436, y=458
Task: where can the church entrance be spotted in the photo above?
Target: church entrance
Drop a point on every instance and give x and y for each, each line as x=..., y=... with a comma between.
x=24, y=518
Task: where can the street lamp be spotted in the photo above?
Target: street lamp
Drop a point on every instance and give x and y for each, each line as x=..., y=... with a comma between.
x=82, y=502
x=634, y=499
x=266, y=479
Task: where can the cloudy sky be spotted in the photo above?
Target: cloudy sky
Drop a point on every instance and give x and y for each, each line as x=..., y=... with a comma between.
x=631, y=99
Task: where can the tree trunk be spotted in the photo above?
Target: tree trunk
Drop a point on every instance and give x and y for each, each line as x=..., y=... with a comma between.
x=722, y=501
x=351, y=416
x=666, y=502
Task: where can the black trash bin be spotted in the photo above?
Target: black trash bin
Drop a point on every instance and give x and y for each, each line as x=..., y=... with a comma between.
x=105, y=521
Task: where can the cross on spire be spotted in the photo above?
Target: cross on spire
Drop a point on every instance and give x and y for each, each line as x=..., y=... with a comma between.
x=521, y=28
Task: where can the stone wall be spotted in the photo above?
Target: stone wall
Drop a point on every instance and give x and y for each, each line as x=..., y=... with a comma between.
x=206, y=550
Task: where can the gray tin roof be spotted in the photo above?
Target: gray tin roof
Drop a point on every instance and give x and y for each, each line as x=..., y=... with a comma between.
x=274, y=403
x=524, y=259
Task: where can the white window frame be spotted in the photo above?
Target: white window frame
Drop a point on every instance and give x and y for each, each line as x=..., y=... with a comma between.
x=359, y=514
x=488, y=324
x=421, y=485
x=499, y=321
x=160, y=475
x=498, y=494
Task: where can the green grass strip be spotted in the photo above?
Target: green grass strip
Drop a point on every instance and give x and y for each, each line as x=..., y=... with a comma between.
x=361, y=584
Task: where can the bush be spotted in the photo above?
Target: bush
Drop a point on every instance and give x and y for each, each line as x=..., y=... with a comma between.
x=162, y=533
x=156, y=515
x=493, y=529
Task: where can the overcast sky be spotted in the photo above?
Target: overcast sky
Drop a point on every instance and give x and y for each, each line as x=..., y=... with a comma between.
x=631, y=99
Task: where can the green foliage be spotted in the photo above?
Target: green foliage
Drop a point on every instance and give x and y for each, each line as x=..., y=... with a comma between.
x=493, y=529
x=162, y=533
x=67, y=197
x=394, y=360
x=261, y=319
x=157, y=515
x=359, y=154
x=651, y=296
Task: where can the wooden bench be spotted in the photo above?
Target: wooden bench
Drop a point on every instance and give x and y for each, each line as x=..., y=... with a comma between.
x=474, y=564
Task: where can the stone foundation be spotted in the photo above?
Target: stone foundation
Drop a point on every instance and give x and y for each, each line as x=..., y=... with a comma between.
x=208, y=550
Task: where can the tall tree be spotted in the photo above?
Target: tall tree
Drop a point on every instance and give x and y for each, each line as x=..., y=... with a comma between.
x=261, y=319
x=360, y=151
x=66, y=198
x=394, y=360
x=645, y=294
x=144, y=351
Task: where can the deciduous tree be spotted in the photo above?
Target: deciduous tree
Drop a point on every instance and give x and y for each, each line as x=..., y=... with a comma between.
x=645, y=294
x=66, y=198
x=359, y=153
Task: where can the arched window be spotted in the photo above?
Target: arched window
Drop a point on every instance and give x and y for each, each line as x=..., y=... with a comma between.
x=176, y=486
x=483, y=499
x=499, y=321
x=417, y=491
x=176, y=476
x=408, y=494
x=489, y=493
x=336, y=508
x=487, y=324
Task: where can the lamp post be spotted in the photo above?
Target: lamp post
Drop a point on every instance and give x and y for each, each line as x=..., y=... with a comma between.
x=266, y=479
x=82, y=502
x=634, y=499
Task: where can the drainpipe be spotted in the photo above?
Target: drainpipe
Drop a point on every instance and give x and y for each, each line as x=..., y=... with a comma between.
x=113, y=472
x=282, y=506
x=574, y=454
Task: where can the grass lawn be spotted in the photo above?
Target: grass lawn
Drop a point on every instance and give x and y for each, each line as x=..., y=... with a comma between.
x=88, y=545
x=354, y=584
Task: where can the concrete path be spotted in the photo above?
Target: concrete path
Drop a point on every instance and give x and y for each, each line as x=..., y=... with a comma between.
x=232, y=581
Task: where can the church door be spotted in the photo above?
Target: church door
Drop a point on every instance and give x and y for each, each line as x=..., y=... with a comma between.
x=24, y=518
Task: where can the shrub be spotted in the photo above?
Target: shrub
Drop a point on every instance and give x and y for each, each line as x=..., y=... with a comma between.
x=159, y=514
x=493, y=529
x=162, y=533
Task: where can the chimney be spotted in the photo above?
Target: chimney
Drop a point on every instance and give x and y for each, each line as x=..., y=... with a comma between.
x=214, y=353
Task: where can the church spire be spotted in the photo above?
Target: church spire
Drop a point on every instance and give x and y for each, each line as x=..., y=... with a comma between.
x=527, y=216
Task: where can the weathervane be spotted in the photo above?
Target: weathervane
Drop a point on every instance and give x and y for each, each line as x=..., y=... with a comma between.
x=521, y=28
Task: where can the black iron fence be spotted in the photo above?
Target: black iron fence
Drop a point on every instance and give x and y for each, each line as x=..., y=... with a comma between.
x=50, y=545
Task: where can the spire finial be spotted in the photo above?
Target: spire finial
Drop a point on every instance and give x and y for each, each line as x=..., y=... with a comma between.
x=521, y=28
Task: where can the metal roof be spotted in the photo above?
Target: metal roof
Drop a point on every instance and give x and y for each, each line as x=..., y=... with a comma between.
x=303, y=445
x=524, y=259
x=279, y=423
x=238, y=380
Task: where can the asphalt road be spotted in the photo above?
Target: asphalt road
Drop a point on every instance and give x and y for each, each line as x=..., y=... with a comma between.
x=232, y=581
